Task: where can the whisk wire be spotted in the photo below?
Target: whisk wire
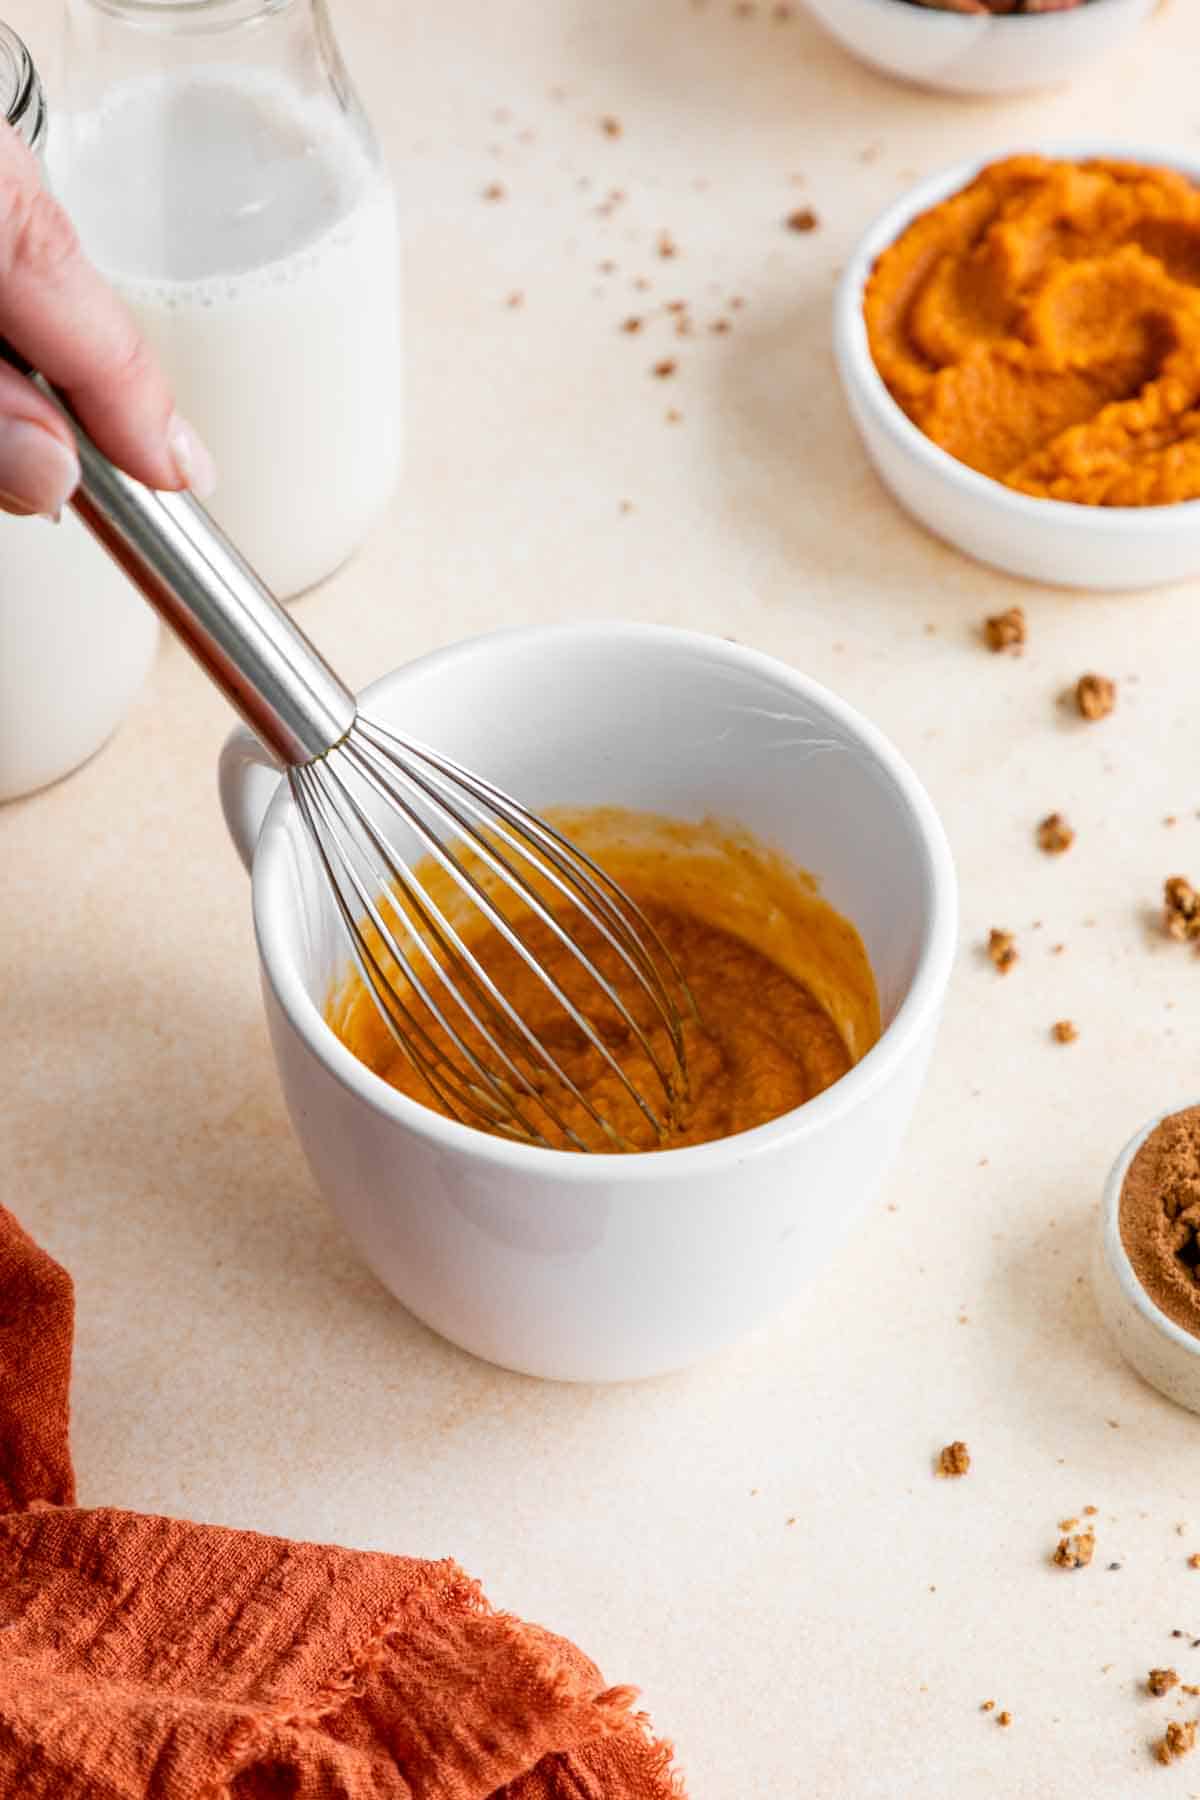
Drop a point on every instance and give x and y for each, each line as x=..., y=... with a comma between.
x=505, y=1020
x=460, y=874
x=567, y=857
x=413, y=1040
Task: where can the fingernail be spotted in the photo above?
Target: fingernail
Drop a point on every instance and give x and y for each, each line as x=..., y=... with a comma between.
x=38, y=472
x=9, y=503
x=193, y=463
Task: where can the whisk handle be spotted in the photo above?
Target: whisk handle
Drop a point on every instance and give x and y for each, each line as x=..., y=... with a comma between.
x=184, y=565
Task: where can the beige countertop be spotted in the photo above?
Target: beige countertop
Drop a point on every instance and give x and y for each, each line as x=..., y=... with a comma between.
x=760, y=1542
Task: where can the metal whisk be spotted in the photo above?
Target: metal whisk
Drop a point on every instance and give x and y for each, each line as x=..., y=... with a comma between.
x=360, y=788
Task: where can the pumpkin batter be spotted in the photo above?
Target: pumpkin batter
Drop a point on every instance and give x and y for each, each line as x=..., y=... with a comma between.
x=1043, y=326
x=784, y=997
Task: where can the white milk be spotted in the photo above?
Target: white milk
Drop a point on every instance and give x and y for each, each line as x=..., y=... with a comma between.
x=256, y=241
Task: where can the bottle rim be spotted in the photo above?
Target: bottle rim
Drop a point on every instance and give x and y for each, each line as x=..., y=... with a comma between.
x=189, y=15
x=21, y=96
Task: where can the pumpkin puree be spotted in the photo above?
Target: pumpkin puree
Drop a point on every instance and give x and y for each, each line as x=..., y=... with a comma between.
x=784, y=994
x=1043, y=326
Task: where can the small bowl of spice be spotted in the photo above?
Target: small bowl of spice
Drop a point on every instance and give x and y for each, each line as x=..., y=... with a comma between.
x=1019, y=344
x=982, y=46
x=1146, y=1268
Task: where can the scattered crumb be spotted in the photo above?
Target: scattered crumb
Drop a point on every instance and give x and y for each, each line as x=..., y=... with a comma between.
x=1067, y=1524
x=1054, y=835
x=1064, y=1031
x=666, y=367
x=988, y=1706
x=1006, y=630
x=1089, y=1512
x=666, y=245
x=1114, y=1568
x=1004, y=1718
x=1002, y=948
x=641, y=284
x=1057, y=949
x=1113, y=1424
x=954, y=1459
x=1095, y=696
x=626, y=506
x=1186, y=1687
x=607, y=267
x=737, y=302
x=1161, y=1681
x=1194, y=1560
x=1181, y=1528
x=1170, y=819
x=1075, y=1552
x=720, y=326
x=803, y=219
x=1181, y=908
x=631, y=324
x=674, y=416
x=610, y=127
x=495, y=190
x=1178, y=1739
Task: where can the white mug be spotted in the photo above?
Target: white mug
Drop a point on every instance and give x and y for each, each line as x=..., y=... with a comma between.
x=609, y=1267
x=76, y=644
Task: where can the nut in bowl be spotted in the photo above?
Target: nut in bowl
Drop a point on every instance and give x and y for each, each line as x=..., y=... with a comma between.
x=1067, y=543
x=613, y=1266
x=961, y=51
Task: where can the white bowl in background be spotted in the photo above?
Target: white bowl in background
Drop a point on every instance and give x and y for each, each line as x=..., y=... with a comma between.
x=975, y=53
x=1054, y=541
x=1162, y=1352
x=606, y=1267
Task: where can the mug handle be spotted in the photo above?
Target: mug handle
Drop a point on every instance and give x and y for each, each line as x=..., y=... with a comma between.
x=247, y=778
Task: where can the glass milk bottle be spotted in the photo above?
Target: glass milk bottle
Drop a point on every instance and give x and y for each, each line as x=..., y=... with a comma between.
x=76, y=642
x=221, y=172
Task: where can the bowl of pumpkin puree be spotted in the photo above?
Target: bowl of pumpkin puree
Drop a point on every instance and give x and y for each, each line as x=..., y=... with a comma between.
x=1019, y=343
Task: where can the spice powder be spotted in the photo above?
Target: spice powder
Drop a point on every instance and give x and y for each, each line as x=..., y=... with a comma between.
x=1160, y=1217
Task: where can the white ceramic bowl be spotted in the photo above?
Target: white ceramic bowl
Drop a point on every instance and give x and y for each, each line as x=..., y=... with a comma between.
x=1054, y=541
x=1163, y=1353
x=965, y=53
x=604, y=1267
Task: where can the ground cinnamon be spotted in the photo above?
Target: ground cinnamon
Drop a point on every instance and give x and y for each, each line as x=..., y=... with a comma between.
x=1160, y=1217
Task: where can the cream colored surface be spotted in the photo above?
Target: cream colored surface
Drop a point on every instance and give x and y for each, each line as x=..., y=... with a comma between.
x=235, y=1362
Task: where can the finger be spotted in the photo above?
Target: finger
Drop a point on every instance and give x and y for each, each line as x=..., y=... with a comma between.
x=39, y=469
x=61, y=314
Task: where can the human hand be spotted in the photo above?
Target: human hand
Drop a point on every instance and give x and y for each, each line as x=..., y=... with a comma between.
x=59, y=313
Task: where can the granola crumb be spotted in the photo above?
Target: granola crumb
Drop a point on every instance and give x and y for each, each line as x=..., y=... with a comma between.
x=495, y=190
x=1002, y=948
x=1177, y=1740
x=515, y=299
x=803, y=219
x=1161, y=1681
x=1075, y=1552
x=1194, y=1560
x=631, y=324
x=1064, y=1031
x=609, y=126
x=1054, y=835
x=1006, y=630
x=665, y=368
x=720, y=327
x=674, y=416
x=954, y=1459
x=988, y=1706
x=1004, y=1718
x=666, y=245
x=1067, y=1524
x=641, y=284
x=1095, y=696
x=1089, y=1512
x=626, y=506
x=1181, y=908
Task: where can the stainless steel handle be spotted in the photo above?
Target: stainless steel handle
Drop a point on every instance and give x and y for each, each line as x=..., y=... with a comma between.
x=194, y=578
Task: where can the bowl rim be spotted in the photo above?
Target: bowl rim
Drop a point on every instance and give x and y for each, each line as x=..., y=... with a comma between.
x=977, y=25
x=920, y=1004
x=1115, y=1254
x=863, y=382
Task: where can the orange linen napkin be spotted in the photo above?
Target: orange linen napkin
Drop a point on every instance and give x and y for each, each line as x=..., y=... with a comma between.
x=153, y=1659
